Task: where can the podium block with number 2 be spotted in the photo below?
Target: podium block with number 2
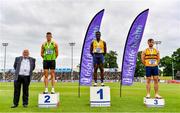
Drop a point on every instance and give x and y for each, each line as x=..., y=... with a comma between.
x=48, y=100
x=100, y=96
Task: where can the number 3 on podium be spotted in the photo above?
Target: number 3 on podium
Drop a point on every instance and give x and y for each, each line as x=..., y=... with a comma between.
x=47, y=97
x=155, y=102
x=101, y=93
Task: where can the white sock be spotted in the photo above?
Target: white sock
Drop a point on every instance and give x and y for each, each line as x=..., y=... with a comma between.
x=52, y=90
x=46, y=89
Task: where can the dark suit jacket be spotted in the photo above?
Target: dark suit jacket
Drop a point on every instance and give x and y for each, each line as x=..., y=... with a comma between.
x=17, y=65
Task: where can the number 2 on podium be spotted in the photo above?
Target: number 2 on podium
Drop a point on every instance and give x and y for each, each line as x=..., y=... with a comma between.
x=47, y=97
x=101, y=93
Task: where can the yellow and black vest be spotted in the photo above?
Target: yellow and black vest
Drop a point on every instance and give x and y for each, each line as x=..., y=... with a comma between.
x=151, y=57
x=98, y=47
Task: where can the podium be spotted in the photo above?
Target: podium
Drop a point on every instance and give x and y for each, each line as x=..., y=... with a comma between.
x=153, y=102
x=48, y=100
x=100, y=96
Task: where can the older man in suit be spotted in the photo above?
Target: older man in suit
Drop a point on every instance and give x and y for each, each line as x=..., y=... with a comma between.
x=24, y=66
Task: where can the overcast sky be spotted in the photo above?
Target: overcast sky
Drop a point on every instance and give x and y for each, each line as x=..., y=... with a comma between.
x=24, y=23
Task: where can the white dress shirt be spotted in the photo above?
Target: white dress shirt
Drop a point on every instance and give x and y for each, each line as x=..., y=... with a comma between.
x=25, y=67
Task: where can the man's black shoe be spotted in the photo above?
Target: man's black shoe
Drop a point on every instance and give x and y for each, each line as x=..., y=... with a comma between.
x=25, y=106
x=45, y=92
x=14, y=106
x=52, y=92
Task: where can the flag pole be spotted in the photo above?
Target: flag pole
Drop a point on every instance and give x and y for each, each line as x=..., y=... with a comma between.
x=79, y=89
x=120, y=90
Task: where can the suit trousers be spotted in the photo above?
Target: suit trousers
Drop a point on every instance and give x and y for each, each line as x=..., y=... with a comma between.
x=23, y=81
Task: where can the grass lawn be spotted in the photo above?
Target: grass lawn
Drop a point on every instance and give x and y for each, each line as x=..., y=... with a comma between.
x=131, y=100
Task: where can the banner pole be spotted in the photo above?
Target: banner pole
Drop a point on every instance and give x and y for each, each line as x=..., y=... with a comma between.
x=120, y=85
x=79, y=89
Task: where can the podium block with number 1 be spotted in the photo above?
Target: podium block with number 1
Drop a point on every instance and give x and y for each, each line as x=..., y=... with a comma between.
x=100, y=96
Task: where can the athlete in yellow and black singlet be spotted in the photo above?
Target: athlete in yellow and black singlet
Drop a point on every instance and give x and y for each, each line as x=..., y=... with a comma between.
x=98, y=50
x=150, y=58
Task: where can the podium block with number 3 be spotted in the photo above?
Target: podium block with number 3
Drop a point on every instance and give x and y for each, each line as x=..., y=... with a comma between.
x=100, y=96
x=48, y=100
x=153, y=102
